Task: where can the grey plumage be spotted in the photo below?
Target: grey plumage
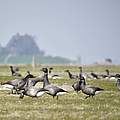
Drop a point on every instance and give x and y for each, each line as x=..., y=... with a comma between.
x=76, y=85
x=32, y=92
x=71, y=76
x=30, y=89
x=51, y=89
x=23, y=83
x=89, y=90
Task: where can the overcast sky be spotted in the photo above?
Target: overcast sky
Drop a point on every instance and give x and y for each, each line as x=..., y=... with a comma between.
x=68, y=28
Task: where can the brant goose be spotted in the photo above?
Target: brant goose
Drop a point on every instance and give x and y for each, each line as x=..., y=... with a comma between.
x=71, y=76
x=15, y=72
x=89, y=90
x=51, y=89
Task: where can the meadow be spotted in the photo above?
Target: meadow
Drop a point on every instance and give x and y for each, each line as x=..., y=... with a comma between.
x=71, y=106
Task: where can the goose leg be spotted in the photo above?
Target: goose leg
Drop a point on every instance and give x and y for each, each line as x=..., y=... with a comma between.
x=57, y=97
x=21, y=96
x=87, y=97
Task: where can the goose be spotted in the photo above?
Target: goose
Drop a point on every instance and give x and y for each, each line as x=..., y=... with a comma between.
x=94, y=75
x=11, y=84
x=30, y=90
x=53, y=76
x=105, y=76
x=22, y=83
x=108, y=76
x=15, y=72
x=88, y=89
x=71, y=76
x=76, y=86
x=52, y=89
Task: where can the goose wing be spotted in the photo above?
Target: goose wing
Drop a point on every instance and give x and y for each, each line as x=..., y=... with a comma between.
x=12, y=82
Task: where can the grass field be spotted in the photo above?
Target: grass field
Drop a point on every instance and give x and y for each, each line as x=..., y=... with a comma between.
x=72, y=106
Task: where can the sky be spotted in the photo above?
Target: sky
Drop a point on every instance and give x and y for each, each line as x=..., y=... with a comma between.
x=89, y=29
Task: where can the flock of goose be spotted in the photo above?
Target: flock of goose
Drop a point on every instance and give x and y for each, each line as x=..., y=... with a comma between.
x=26, y=86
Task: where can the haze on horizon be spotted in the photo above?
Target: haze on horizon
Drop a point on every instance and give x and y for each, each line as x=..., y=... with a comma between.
x=69, y=28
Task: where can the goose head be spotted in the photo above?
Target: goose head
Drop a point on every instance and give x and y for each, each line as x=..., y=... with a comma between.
x=50, y=69
x=29, y=76
x=45, y=70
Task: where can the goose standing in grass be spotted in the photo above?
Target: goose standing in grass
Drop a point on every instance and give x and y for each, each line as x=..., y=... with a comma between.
x=71, y=76
x=51, y=89
x=15, y=72
x=89, y=90
x=76, y=86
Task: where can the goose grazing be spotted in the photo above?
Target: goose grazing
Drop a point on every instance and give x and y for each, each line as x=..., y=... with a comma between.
x=51, y=89
x=53, y=76
x=118, y=83
x=71, y=76
x=89, y=90
x=15, y=72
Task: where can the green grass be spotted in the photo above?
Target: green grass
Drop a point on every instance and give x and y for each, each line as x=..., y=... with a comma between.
x=72, y=106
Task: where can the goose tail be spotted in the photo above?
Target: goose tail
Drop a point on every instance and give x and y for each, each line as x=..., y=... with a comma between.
x=99, y=89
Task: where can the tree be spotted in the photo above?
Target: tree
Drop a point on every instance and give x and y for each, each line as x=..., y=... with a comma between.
x=23, y=45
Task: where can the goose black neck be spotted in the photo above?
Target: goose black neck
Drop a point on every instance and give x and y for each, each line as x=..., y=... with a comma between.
x=26, y=77
x=12, y=70
x=46, y=81
x=70, y=75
